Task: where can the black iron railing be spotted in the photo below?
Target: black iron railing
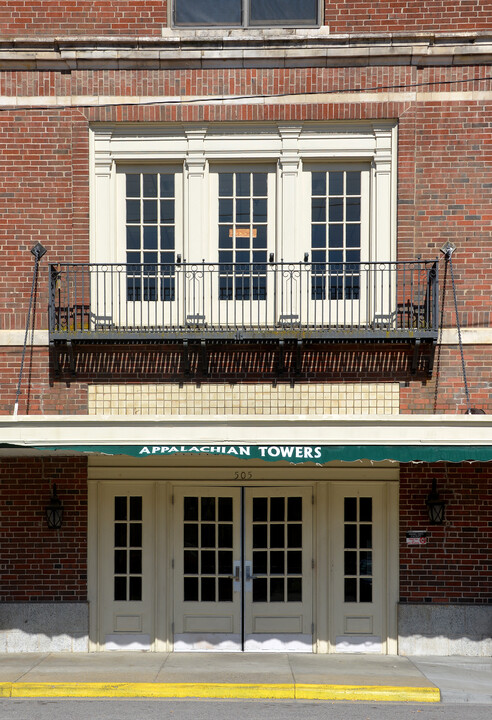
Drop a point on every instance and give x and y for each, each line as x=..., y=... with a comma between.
x=366, y=300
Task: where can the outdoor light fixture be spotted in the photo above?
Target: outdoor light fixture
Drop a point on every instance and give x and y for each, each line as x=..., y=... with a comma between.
x=54, y=511
x=435, y=506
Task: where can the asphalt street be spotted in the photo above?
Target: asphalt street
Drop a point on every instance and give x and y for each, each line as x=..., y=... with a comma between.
x=49, y=709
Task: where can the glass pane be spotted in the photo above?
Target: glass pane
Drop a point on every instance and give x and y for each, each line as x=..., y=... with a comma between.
x=225, y=562
x=243, y=184
x=260, y=509
x=353, y=183
x=191, y=508
x=294, y=536
x=294, y=562
x=350, y=565
x=353, y=209
x=276, y=589
x=150, y=210
x=318, y=210
x=350, y=540
x=133, y=211
x=336, y=210
x=277, y=505
x=132, y=239
x=318, y=183
x=208, y=535
x=242, y=210
x=167, y=211
x=225, y=589
x=365, y=534
x=335, y=235
x=191, y=562
x=225, y=211
x=136, y=562
x=208, y=589
x=135, y=508
x=294, y=589
x=190, y=535
x=208, y=508
x=277, y=563
x=277, y=539
x=259, y=536
x=225, y=536
x=318, y=236
x=260, y=211
x=352, y=234
x=136, y=535
x=190, y=589
x=259, y=184
x=290, y=12
x=120, y=588
x=294, y=508
x=336, y=183
x=207, y=12
x=365, y=590
x=150, y=185
x=167, y=186
x=365, y=509
x=350, y=594
x=120, y=561
x=350, y=509
x=120, y=508
x=259, y=590
x=120, y=535
x=260, y=563
x=365, y=562
x=225, y=509
x=225, y=185
x=135, y=588
x=133, y=185
x=208, y=562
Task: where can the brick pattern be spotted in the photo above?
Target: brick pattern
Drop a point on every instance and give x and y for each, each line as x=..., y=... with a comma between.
x=244, y=399
x=38, y=564
x=147, y=17
x=455, y=565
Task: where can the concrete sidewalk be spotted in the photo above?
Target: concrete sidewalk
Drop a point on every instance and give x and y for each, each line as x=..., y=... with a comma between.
x=214, y=675
x=251, y=675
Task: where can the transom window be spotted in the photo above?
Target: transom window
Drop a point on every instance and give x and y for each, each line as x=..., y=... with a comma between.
x=240, y=13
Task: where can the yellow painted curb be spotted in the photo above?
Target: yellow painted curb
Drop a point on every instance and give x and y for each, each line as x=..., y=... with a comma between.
x=223, y=690
x=154, y=690
x=380, y=693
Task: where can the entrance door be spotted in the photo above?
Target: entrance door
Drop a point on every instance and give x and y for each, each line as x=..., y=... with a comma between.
x=243, y=569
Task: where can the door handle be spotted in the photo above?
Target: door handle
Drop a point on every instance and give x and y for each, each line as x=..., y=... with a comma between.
x=249, y=573
x=237, y=573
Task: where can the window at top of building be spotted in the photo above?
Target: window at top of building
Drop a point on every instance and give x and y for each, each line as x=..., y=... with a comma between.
x=246, y=13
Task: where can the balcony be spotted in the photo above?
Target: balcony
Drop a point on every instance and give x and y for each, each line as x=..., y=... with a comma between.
x=275, y=301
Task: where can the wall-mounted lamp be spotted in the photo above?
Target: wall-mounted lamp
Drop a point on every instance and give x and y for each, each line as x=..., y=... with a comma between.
x=54, y=511
x=435, y=506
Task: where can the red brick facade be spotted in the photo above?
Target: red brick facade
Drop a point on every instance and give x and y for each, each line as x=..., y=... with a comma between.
x=39, y=564
x=147, y=17
x=455, y=565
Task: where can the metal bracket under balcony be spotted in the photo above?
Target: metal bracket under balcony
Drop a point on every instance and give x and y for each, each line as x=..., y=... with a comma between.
x=244, y=303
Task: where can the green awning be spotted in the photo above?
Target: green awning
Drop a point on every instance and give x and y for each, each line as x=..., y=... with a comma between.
x=318, y=454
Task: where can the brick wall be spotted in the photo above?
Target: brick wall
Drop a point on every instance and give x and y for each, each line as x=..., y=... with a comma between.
x=146, y=17
x=456, y=564
x=38, y=564
x=444, y=193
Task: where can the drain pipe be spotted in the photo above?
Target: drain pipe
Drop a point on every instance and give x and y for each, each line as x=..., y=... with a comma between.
x=38, y=251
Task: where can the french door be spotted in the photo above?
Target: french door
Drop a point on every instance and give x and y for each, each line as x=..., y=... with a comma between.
x=243, y=569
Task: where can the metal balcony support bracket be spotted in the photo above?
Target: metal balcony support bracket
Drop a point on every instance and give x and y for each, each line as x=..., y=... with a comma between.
x=186, y=358
x=281, y=357
x=55, y=359
x=298, y=357
x=432, y=354
x=415, y=356
x=203, y=358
